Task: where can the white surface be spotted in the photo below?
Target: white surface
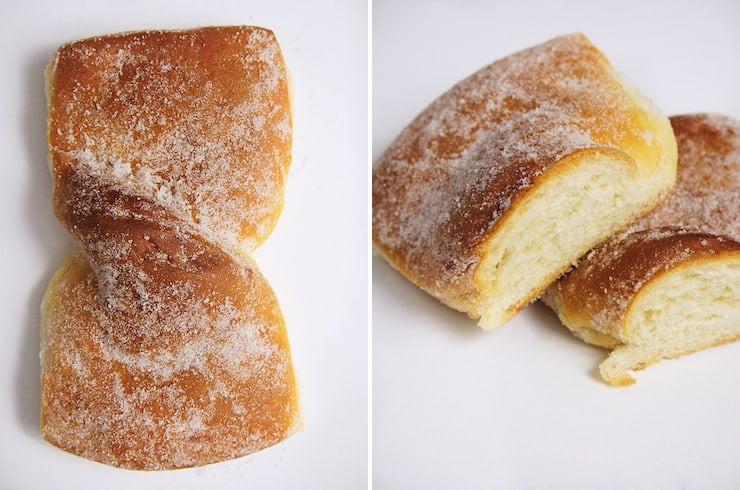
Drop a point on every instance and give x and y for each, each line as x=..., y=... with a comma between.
x=315, y=259
x=523, y=406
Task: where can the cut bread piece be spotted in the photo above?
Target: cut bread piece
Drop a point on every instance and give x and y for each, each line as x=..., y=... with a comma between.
x=652, y=294
x=668, y=286
x=514, y=173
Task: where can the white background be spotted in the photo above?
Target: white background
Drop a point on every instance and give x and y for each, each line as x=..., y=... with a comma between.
x=315, y=259
x=523, y=406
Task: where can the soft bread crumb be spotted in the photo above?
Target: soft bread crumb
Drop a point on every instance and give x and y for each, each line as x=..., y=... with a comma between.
x=595, y=190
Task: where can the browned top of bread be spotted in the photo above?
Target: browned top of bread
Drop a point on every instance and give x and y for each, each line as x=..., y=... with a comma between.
x=198, y=120
x=204, y=376
x=162, y=344
x=443, y=185
x=698, y=220
x=706, y=196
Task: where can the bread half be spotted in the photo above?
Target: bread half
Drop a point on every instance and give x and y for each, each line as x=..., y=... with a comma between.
x=669, y=285
x=505, y=180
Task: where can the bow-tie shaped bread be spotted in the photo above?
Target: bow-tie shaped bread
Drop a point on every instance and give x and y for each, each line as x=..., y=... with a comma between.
x=162, y=344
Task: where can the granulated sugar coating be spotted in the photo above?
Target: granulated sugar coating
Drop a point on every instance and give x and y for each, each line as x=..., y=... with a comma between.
x=197, y=120
x=162, y=344
x=442, y=186
x=706, y=196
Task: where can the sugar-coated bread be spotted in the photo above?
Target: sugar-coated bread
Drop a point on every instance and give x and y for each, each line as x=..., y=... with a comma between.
x=162, y=344
x=505, y=180
x=670, y=284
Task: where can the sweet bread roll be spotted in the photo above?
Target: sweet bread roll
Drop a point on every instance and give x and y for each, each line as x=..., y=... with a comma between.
x=162, y=344
x=502, y=182
x=669, y=285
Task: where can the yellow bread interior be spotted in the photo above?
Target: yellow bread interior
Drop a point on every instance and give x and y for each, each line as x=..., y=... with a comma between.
x=579, y=202
x=688, y=308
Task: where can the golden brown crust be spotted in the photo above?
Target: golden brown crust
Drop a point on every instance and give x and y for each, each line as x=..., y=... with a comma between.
x=444, y=184
x=223, y=389
x=162, y=344
x=168, y=113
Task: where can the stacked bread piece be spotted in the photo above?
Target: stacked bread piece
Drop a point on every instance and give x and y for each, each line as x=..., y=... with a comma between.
x=505, y=181
x=162, y=344
x=670, y=284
